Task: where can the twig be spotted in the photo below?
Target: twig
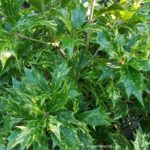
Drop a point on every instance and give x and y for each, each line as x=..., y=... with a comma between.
x=95, y=54
x=91, y=10
x=39, y=41
x=90, y=18
x=32, y=39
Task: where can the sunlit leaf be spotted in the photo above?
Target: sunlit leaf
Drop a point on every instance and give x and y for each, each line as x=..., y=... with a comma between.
x=142, y=141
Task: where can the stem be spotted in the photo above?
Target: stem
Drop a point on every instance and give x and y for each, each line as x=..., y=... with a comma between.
x=39, y=41
x=91, y=10
x=90, y=18
x=95, y=54
x=31, y=39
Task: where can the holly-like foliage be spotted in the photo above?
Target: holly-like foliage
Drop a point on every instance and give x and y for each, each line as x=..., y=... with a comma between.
x=74, y=74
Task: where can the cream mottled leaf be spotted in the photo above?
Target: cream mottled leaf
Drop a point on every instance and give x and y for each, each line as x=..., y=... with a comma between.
x=133, y=83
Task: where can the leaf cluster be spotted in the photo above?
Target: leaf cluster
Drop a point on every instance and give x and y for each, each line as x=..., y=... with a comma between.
x=74, y=74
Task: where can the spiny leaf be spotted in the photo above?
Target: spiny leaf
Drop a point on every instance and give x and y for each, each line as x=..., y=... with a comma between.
x=54, y=126
x=121, y=141
x=95, y=117
x=111, y=8
x=59, y=74
x=38, y=4
x=11, y=9
x=140, y=64
x=16, y=84
x=78, y=16
x=70, y=137
x=68, y=43
x=7, y=46
x=106, y=41
x=28, y=22
x=65, y=18
x=142, y=141
x=133, y=83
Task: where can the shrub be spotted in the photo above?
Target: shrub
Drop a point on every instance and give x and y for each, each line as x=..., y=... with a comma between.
x=74, y=74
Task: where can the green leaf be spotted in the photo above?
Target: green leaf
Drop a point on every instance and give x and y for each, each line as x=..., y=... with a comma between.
x=12, y=139
x=35, y=79
x=22, y=138
x=70, y=138
x=78, y=16
x=142, y=141
x=121, y=141
x=7, y=46
x=38, y=4
x=133, y=82
x=95, y=117
x=7, y=41
x=3, y=147
x=65, y=18
x=68, y=43
x=85, y=142
x=140, y=64
x=28, y=22
x=102, y=39
x=4, y=55
x=11, y=9
x=121, y=110
x=16, y=84
x=60, y=72
x=113, y=92
x=111, y=8
x=54, y=126
x=67, y=117
x=106, y=41
x=108, y=72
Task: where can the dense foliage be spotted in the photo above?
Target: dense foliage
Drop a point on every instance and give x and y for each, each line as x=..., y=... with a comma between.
x=74, y=74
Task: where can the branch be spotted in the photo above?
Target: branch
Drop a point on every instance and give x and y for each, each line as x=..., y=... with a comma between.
x=90, y=18
x=42, y=42
x=91, y=10
x=32, y=39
